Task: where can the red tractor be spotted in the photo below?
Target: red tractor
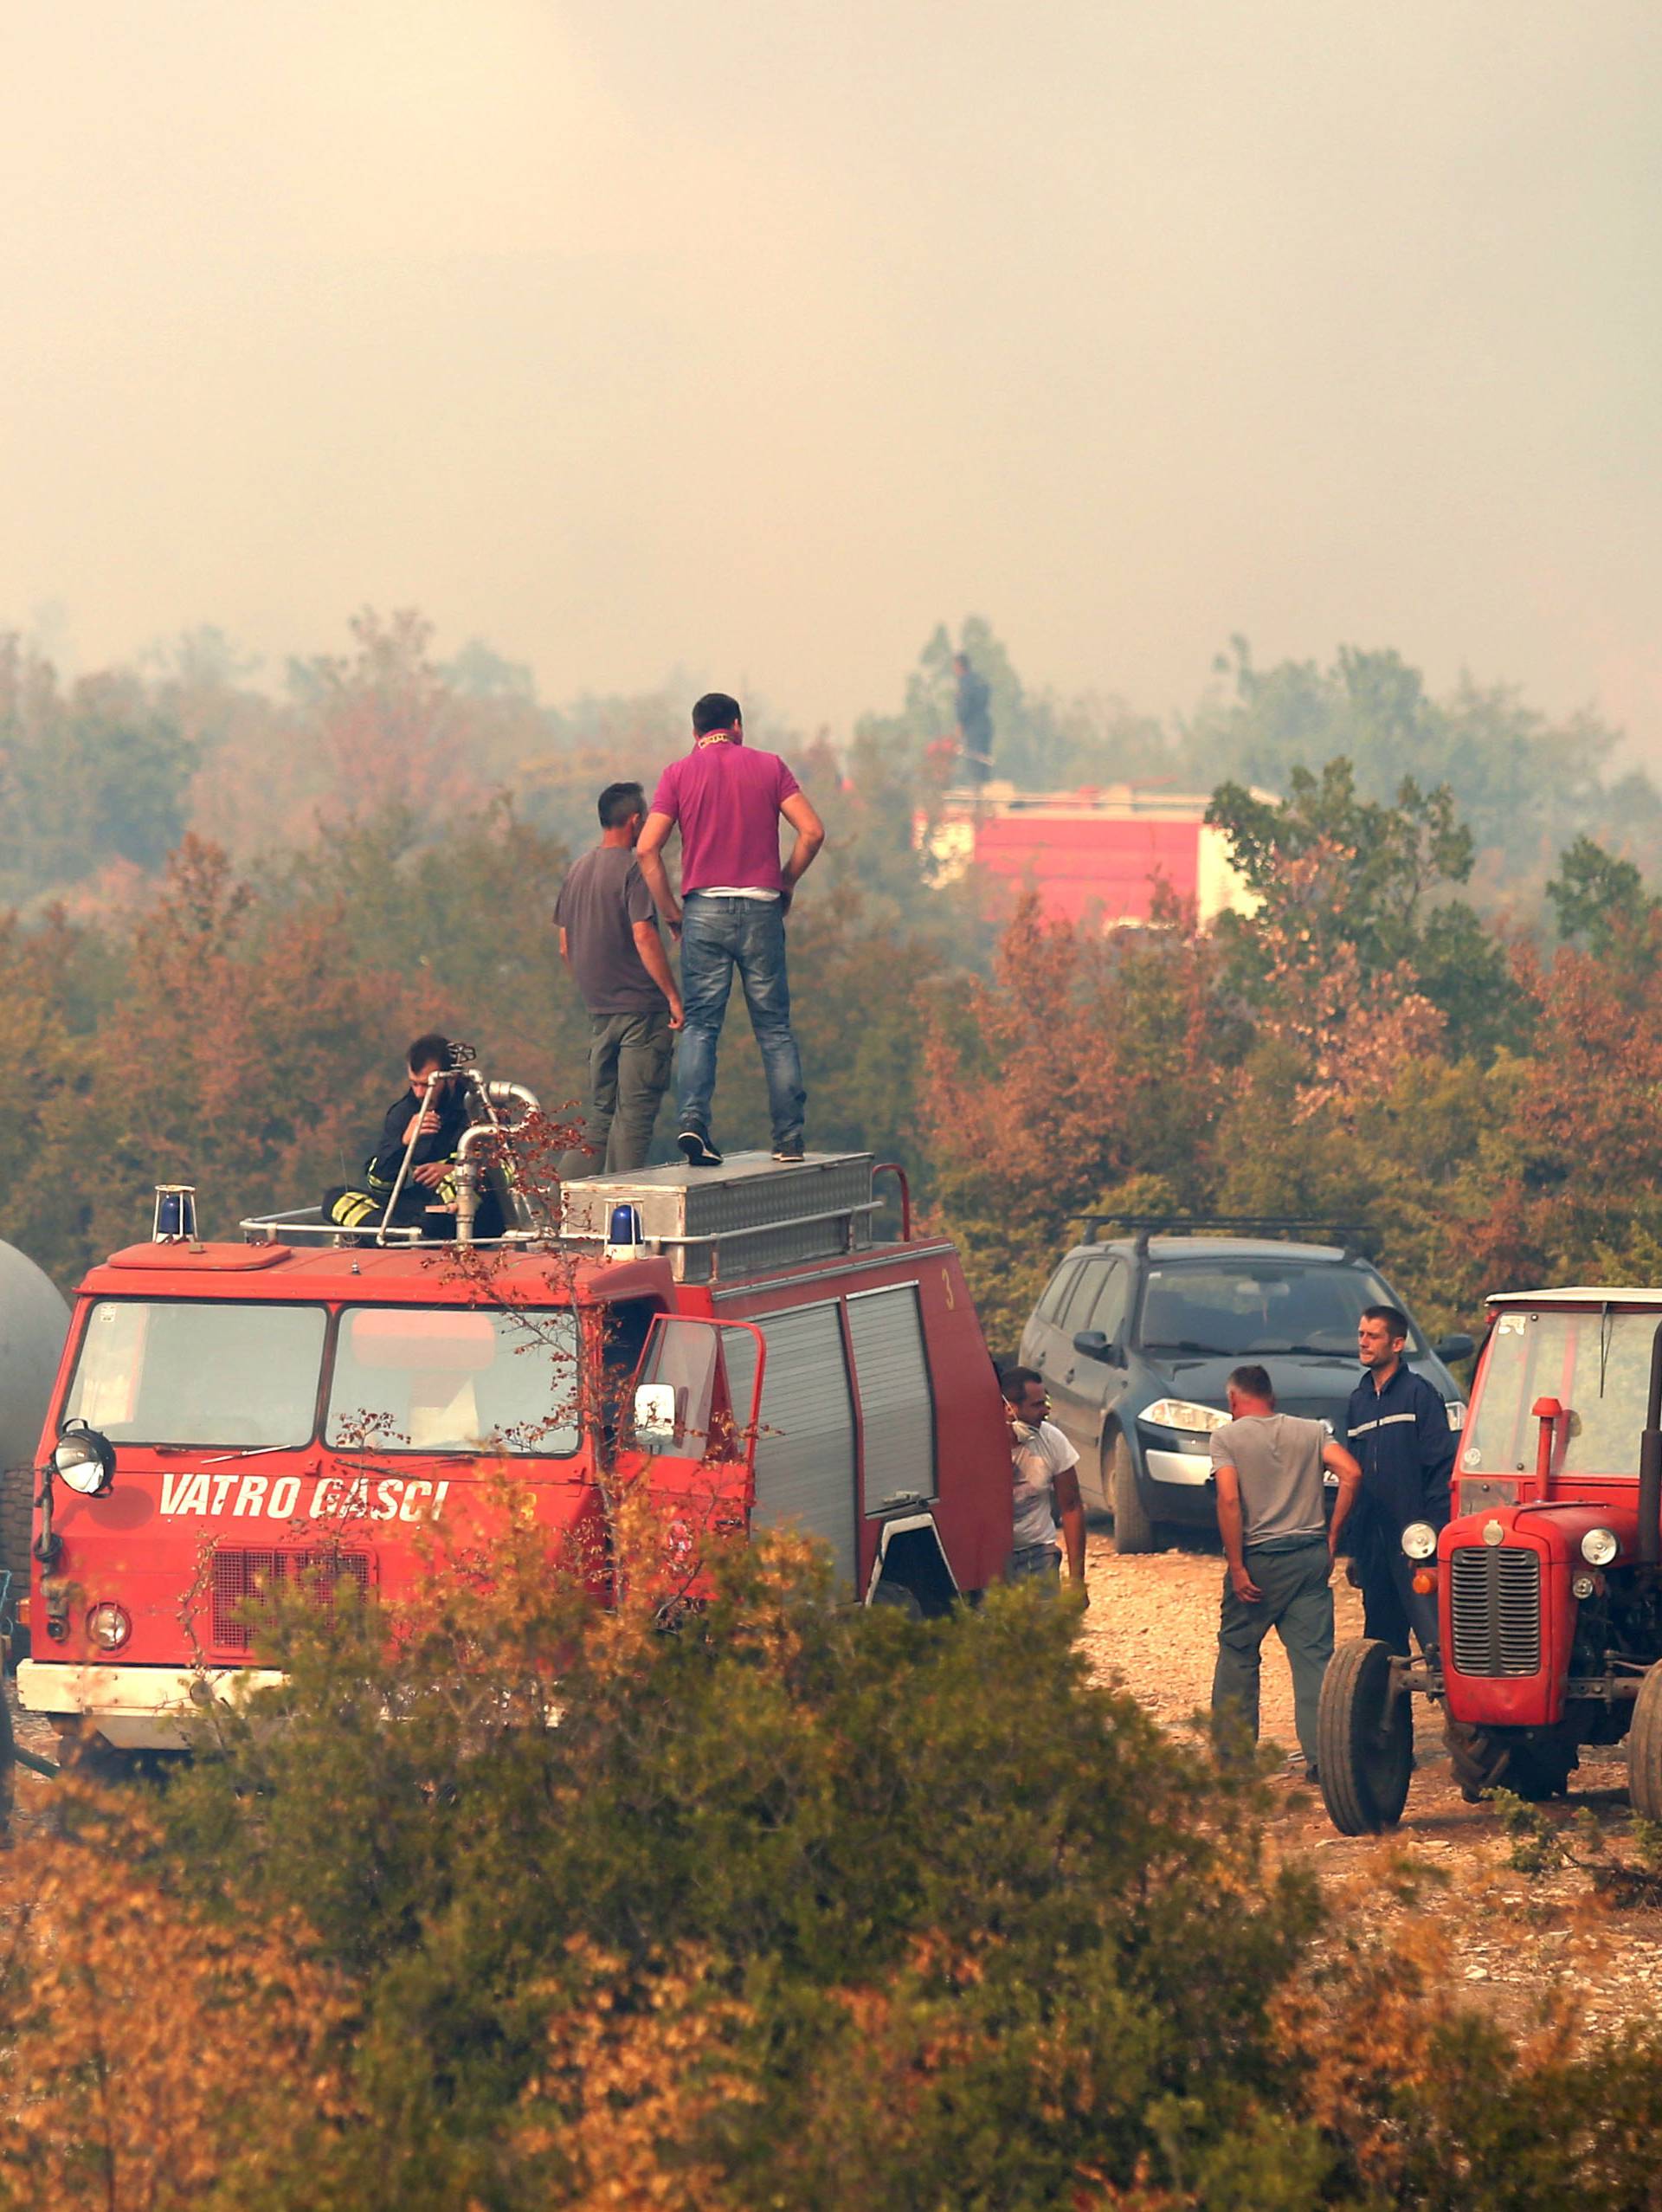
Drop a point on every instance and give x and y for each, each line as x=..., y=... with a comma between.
x=306, y=1405
x=1547, y=1578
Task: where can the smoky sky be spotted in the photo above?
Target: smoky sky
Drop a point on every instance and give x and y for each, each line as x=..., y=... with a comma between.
x=749, y=339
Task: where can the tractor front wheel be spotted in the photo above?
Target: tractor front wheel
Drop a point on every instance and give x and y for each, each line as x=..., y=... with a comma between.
x=1364, y=1739
x=1533, y=1764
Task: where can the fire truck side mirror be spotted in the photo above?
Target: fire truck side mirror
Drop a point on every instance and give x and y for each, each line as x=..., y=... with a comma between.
x=657, y=1414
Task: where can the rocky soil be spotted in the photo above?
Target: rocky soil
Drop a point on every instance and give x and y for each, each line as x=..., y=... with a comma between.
x=1514, y=1939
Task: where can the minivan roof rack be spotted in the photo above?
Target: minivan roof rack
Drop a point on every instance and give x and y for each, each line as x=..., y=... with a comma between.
x=1349, y=1235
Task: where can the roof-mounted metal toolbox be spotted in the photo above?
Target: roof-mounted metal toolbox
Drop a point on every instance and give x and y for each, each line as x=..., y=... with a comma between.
x=748, y=1214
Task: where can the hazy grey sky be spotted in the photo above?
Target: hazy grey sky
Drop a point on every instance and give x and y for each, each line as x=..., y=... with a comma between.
x=754, y=336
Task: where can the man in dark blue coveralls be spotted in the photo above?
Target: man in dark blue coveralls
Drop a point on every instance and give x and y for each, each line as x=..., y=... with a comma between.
x=1399, y=1432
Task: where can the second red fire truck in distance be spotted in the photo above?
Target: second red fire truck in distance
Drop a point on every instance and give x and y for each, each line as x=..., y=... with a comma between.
x=231, y=1416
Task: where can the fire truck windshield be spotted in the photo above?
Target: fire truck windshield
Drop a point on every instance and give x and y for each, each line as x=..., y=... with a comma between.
x=456, y=1378
x=1595, y=1362
x=180, y=1371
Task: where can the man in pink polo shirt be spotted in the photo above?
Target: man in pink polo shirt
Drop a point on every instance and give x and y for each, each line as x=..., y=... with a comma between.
x=735, y=896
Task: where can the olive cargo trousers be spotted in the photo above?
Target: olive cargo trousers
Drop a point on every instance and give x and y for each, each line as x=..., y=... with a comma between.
x=629, y=1057
x=1297, y=1604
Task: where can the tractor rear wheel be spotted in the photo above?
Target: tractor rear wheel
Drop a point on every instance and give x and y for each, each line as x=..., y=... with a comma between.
x=1644, y=1748
x=1133, y=1527
x=1364, y=1739
x=1508, y=1759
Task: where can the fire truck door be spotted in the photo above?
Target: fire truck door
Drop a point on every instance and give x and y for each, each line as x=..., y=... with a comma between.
x=684, y=1405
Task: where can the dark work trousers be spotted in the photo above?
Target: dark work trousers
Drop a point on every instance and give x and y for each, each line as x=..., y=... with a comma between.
x=629, y=1057
x=1391, y=1605
x=1298, y=1603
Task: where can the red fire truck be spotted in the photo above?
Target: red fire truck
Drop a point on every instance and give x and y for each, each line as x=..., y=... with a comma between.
x=231, y=1416
x=1547, y=1579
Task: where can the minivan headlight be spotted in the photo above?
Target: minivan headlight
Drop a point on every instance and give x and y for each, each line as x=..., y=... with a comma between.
x=1183, y=1412
x=1419, y=1539
x=1600, y=1547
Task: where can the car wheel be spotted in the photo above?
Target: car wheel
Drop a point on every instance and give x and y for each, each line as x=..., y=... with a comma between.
x=1133, y=1528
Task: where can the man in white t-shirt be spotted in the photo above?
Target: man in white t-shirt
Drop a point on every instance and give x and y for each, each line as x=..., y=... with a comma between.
x=1045, y=1487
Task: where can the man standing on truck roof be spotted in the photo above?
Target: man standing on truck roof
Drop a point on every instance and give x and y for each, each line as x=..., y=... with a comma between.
x=609, y=941
x=734, y=895
x=1272, y=1516
x=1398, y=1428
x=1045, y=1470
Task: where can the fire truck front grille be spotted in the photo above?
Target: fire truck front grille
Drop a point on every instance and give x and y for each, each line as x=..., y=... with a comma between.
x=1495, y=1601
x=244, y=1582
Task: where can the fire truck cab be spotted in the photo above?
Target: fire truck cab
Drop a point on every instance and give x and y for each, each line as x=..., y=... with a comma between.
x=230, y=1417
x=1547, y=1583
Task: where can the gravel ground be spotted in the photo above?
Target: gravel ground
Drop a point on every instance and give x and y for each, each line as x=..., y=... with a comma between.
x=1513, y=1940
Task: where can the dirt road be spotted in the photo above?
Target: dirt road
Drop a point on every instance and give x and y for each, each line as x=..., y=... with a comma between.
x=1511, y=1937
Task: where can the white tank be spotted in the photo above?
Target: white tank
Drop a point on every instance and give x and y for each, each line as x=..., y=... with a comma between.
x=34, y=1320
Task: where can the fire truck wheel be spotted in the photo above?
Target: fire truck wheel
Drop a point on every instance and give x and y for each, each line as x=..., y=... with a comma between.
x=1364, y=1740
x=1502, y=1758
x=1133, y=1528
x=8, y=1771
x=898, y=1596
x=16, y=1528
x=1644, y=1748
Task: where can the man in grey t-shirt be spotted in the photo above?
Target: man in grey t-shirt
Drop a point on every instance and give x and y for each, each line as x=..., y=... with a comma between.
x=1268, y=1468
x=609, y=941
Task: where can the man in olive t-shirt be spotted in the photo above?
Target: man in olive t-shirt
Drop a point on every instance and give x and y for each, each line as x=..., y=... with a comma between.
x=609, y=941
x=1272, y=1516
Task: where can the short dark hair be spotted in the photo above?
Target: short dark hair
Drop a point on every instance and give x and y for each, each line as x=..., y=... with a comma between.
x=1013, y=1380
x=429, y=1049
x=618, y=802
x=1253, y=1383
x=1393, y=1318
x=715, y=711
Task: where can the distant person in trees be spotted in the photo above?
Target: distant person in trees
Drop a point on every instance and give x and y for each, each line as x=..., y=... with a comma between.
x=1043, y=1468
x=974, y=707
x=427, y=1201
x=727, y=801
x=609, y=941
x=1272, y=1518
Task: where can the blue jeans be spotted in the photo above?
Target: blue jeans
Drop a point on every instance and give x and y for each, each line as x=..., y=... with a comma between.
x=718, y=935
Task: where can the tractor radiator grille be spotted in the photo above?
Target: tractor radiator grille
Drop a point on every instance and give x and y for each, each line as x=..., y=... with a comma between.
x=244, y=1582
x=1495, y=1599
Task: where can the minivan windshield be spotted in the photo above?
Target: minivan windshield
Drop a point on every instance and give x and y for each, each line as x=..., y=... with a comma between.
x=179, y=1371
x=1595, y=1362
x=1231, y=1309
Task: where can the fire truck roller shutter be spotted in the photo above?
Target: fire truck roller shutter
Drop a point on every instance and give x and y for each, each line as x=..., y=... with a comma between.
x=805, y=1440
x=897, y=1406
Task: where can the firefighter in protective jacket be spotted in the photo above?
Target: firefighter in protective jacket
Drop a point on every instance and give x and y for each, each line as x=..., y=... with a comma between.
x=1398, y=1432
x=427, y=1185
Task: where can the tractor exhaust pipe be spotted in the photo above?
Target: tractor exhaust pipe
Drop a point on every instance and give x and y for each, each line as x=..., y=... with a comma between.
x=1650, y=1464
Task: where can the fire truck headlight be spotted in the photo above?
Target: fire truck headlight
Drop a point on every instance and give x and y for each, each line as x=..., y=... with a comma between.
x=85, y=1461
x=1600, y=1546
x=108, y=1625
x=1420, y=1540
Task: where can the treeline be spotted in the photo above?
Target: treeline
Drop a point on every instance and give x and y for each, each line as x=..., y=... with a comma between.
x=217, y=983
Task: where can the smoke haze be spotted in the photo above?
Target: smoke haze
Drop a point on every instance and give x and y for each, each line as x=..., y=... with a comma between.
x=753, y=339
